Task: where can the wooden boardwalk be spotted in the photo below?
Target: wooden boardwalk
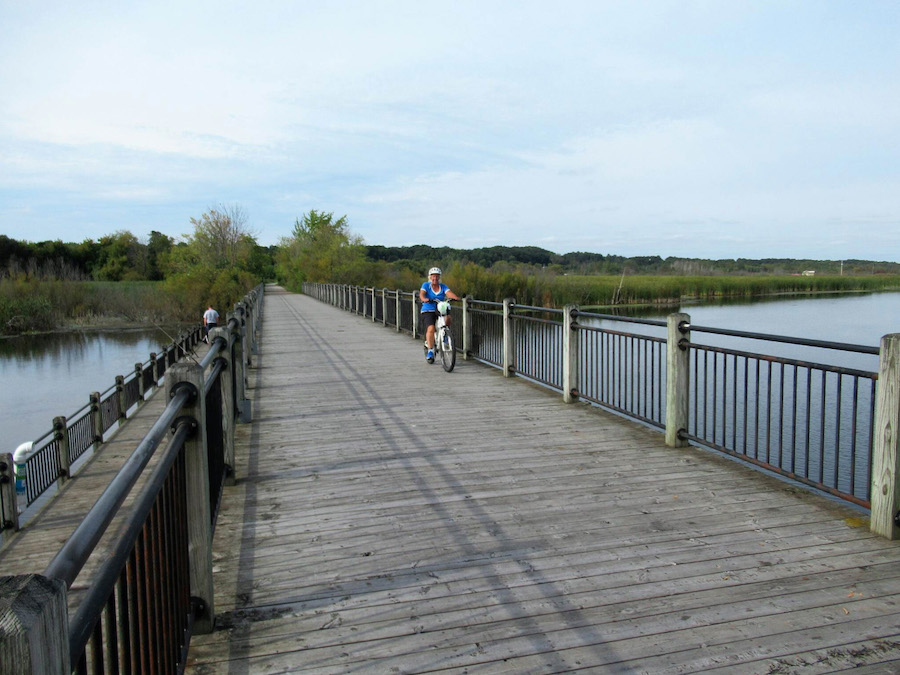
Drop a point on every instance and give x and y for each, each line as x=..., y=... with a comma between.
x=392, y=518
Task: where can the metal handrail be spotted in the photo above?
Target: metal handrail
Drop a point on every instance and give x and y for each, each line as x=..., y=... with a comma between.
x=806, y=342
x=73, y=555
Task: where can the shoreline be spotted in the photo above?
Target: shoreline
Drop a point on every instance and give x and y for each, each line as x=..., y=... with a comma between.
x=102, y=326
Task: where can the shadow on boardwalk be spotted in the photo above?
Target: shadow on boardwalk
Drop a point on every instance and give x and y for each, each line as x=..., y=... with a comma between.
x=393, y=518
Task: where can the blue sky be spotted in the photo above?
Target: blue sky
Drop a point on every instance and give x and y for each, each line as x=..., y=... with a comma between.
x=692, y=128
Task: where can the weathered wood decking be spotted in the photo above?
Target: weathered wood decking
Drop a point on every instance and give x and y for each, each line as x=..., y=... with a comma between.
x=392, y=518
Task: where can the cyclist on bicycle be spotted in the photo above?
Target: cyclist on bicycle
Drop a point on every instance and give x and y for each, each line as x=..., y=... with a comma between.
x=432, y=292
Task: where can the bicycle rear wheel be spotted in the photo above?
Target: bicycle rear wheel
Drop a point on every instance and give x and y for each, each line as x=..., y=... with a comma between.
x=448, y=352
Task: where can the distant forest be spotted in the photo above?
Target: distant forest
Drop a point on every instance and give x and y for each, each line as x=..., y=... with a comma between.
x=123, y=257
x=580, y=262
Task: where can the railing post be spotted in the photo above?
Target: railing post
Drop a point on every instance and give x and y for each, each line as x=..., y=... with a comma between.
x=508, y=341
x=255, y=311
x=139, y=374
x=9, y=503
x=236, y=346
x=199, y=526
x=384, y=311
x=34, y=626
x=397, y=308
x=678, y=379
x=243, y=329
x=466, y=327
x=96, y=418
x=570, y=355
x=120, y=394
x=373, y=305
x=886, y=451
x=229, y=402
x=415, y=316
x=61, y=434
x=154, y=368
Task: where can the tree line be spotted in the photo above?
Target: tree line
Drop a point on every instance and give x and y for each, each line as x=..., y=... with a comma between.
x=221, y=260
x=322, y=248
x=585, y=263
x=158, y=280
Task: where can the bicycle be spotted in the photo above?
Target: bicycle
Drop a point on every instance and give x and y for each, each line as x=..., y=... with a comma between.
x=443, y=338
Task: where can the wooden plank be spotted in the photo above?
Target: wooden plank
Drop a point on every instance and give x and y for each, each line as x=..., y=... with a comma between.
x=395, y=518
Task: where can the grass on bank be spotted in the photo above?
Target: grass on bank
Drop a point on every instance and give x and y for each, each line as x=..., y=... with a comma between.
x=35, y=306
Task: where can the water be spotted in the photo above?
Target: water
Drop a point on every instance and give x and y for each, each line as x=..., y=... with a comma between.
x=45, y=376
x=860, y=319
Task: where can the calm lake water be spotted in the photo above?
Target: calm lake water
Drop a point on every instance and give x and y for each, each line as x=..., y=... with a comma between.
x=860, y=319
x=44, y=376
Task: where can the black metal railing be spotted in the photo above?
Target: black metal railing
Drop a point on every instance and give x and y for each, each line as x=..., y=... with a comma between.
x=487, y=332
x=809, y=421
x=143, y=601
x=537, y=340
x=624, y=372
x=87, y=427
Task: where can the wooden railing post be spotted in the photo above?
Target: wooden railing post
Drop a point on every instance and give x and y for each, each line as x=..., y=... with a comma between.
x=397, y=308
x=415, y=316
x=139, y=374
x=120, y=394
x=61, y=434
x=466, y=327
x=885, y=501
x=236, y=344
x=384, y=312
x=229, y=402
x=154, y=369
x=199, y=526
x=9, y=503
x=373, y=305
x=96, y=418
x=570, y=363
x=508, y=337
x=34, y=626
x=678, y=379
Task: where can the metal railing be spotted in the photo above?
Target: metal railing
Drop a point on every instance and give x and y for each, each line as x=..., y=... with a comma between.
x=799, y=418
x=54, y=456
x=809, y=421
x=154, y=589
x=622, y=370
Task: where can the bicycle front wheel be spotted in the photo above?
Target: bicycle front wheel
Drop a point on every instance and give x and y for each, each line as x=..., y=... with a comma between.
x=448, y=352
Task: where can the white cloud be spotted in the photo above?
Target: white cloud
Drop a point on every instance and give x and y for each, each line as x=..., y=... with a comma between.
x=649, y=128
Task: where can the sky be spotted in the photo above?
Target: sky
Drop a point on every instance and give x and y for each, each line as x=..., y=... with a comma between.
x=707, y=129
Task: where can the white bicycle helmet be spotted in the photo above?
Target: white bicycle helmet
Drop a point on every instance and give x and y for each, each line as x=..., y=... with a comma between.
x=434, y=270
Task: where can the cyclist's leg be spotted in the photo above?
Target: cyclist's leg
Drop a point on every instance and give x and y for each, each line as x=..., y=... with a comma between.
x=429, y=318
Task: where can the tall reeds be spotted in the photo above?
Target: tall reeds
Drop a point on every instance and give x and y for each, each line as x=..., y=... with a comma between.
x=40, y=305
x=548, y=290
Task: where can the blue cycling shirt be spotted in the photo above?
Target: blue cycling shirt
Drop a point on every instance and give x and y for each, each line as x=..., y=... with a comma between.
x=431, y=304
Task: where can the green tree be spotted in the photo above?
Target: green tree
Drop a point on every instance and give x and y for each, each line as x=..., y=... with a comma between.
x=322, y=249
x=216, y=265
x=157, y=248
x=122, y=258
x=221, y=236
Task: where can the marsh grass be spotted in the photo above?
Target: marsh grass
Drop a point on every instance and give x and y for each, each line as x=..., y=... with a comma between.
x=43, y=305
x=548, y=290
